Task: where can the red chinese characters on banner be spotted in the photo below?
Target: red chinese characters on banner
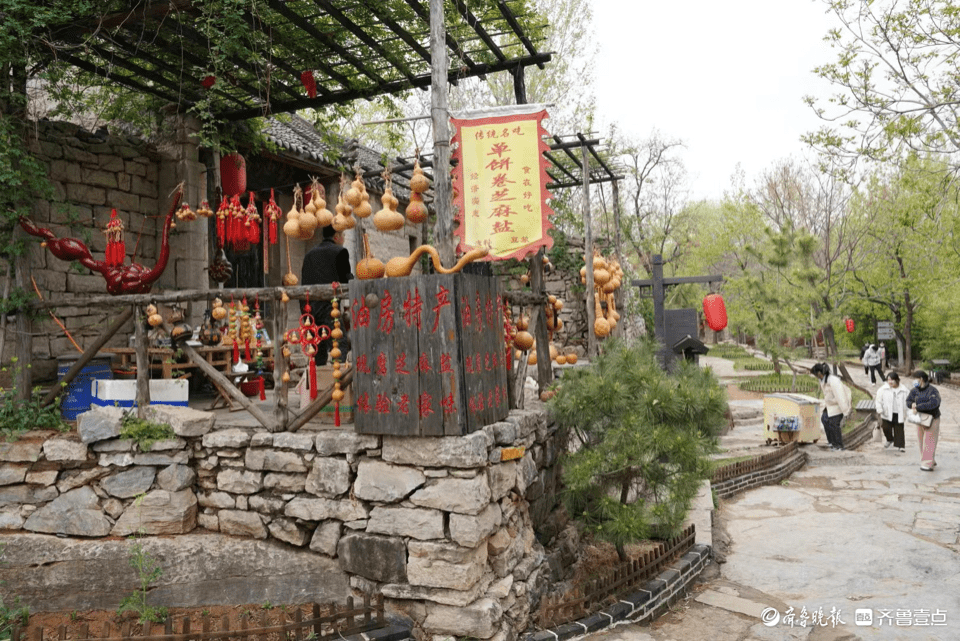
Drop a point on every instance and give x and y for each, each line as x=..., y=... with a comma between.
x=501, y=179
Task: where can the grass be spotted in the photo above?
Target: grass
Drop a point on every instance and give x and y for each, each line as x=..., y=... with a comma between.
x=772, y=383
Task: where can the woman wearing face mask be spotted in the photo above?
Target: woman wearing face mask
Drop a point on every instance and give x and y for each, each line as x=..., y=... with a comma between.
x=925, y=398
x=892, y=407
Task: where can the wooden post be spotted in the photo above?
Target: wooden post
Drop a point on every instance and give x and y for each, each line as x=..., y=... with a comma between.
x=143, y=364
x=442, y=192
x=618, y=246
x=321, y=401
x=659, y=317
x=24, y=351
x=280, y=388
x=90, y=352
x=588, y=253
x=540, y=334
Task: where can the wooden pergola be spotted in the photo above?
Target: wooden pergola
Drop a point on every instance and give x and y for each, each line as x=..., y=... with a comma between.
x=352, y=49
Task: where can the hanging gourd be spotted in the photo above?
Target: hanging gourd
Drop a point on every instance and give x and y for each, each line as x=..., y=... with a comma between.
x=416, y=209
x=419, y=183
x=369, y=267
x=850, y=325
x=233, y=174
x=362, y=209
x=715, y=312
x=204, y=209
x=343, y=220
x=217, y=310
x=601, y=328
x=186, y=214
x=523, y=340
x=324, y=215
x=388, y=219
x=291, y=228
x=354, y=195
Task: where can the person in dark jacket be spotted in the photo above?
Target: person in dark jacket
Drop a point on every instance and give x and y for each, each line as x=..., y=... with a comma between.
x=925, y=398
x=328, y=262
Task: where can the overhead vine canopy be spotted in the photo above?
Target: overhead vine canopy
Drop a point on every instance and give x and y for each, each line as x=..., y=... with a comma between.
x=566, y=162
x=240, y=59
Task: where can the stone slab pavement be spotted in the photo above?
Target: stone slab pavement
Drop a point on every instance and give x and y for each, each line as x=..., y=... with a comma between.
x=850, y=537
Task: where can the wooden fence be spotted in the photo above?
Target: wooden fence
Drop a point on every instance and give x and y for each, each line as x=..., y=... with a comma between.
x=592, y=595
x=758, y=463
x=338, y=621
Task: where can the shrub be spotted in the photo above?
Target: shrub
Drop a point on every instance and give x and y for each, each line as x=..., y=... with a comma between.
x=18, y=416
x=639, y=441
x=143, y=431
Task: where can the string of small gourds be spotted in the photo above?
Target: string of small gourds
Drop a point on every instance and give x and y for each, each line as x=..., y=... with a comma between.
x=607, y=276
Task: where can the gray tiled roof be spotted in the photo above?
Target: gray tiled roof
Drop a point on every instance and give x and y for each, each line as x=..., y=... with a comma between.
x=296, y=134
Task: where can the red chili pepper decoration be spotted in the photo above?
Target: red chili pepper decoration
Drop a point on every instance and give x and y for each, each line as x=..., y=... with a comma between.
x=116, y=250
x=309, y=83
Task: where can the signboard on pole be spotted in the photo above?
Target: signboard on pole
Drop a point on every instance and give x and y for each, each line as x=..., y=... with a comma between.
x=885, y=331
x=500, y=181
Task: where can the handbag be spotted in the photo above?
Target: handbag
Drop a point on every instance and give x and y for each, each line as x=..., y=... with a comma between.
x=919, y=418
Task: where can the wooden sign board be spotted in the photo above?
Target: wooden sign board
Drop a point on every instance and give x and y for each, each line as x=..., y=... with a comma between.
x=429, y=354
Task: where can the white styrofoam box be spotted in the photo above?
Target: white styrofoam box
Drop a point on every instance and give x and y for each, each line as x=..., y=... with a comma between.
x=124, y=393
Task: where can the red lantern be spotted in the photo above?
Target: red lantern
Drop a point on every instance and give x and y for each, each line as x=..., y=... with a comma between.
x=715, y=312
x=233, y=174
x=849, y=324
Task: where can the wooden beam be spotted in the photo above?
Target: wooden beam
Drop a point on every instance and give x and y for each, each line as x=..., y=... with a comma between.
x=511, y=19
x=87, y=355
x=451, y=42
x=403, y=34
x=316, y=292
x=680, y=280
x=321, y=401
x=539, y=320
x=348, y=95
x=224, y=383
x=479, y=29
x=364, y=37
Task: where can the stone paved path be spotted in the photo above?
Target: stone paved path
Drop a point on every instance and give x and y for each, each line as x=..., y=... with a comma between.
x=852, y=530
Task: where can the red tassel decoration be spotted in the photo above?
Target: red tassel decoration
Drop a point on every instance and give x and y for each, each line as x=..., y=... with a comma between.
x=272, y=214
x=222, y=223
x=236, y=352
x=246, y=351
x=313, y=379
x=116, y=250
x=309, y=83
x=263, y=389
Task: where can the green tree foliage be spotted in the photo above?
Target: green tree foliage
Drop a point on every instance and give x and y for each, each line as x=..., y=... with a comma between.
x=639, y=441
x=895, y=79
x=909, y=248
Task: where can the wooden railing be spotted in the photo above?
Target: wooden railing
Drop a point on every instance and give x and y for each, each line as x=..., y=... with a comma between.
x=592, y=595
x=335, y=622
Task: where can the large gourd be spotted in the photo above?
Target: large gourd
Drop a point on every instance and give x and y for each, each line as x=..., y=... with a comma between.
x=600, y=326
x=388, y=219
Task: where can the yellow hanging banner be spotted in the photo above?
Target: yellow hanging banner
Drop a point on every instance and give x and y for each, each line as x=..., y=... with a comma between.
x=500, y=184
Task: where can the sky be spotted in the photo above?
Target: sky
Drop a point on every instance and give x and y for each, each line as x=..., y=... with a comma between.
x=728, y=78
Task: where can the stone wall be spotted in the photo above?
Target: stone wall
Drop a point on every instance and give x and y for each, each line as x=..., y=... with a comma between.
x=443, y=527
x=91, y=174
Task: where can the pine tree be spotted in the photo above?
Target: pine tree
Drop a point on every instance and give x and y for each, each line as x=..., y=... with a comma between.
x=639, y=438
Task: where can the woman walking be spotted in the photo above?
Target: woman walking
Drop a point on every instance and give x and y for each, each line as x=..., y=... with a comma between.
x=925, y=398
x=892, y=407
x=836, y=399
x=871, y=358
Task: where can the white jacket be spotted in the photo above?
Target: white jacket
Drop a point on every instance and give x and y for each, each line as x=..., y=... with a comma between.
x=892, y=400
x=871, y=357
x=836, y=396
